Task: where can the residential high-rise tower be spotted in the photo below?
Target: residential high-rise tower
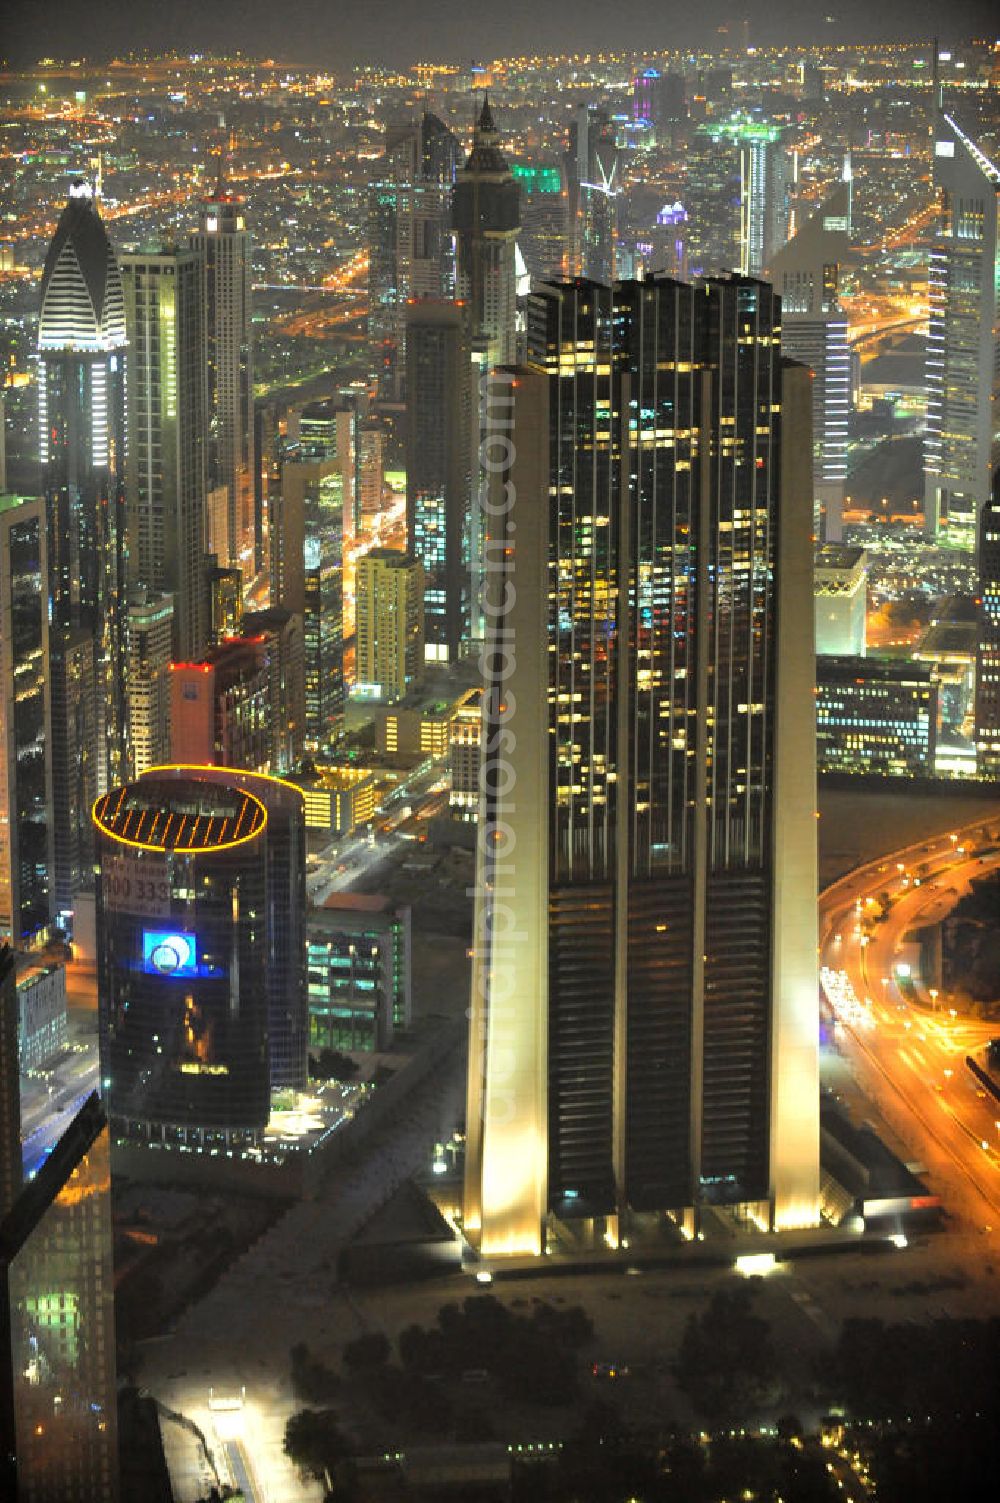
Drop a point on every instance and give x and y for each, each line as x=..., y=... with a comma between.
x=223, y=242
x=167, y=420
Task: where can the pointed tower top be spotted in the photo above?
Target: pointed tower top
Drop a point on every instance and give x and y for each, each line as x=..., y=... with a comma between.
x=484, y=125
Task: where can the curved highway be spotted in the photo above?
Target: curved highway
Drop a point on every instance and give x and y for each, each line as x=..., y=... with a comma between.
x=907, y=1046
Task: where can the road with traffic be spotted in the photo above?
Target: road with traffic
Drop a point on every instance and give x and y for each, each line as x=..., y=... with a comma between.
x=906, y=1044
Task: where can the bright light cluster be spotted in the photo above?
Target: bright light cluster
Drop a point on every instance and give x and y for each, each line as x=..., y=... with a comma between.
x=847, y=1007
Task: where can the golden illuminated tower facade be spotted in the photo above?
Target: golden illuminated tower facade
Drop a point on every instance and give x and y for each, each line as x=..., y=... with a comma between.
x=644, y=1006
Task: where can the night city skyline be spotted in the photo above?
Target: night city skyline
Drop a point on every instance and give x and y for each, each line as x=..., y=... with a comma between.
x=499, y=740
x=449, y=30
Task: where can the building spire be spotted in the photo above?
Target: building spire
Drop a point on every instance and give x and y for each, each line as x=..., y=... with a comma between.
x=484, y=125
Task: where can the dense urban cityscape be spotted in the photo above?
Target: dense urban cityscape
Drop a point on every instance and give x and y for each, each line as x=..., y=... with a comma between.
x=499, y=746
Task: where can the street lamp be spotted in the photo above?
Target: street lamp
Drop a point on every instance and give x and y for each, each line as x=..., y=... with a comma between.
x=933, y=994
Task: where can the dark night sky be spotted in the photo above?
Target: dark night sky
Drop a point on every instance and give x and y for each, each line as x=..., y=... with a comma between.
x=342, y=32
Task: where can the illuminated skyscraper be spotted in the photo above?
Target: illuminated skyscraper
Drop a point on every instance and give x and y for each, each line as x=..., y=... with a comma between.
x=390, y=621
x=410, y=246
x=737, y=195
x=201, y=954
x=806, y=273
x=150, y=633
x=545, y=240
x=81, y=393
x=486, y=220
x=58, y=1397
x=644, y=1030
x=307, y=557
x=307, y=543
x=10, y=1093
x=25, y=722
x=439, y=436
x=223, y=242
x=963, y=347
x=167, y=415
x=988, y=639
x=875, y=716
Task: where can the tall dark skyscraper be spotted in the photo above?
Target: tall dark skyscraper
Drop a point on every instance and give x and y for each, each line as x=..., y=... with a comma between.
x=486, y=219
x=648, y=1038
x=223, y=242
x=82, y=350
x=598, y=190
x=439, y=436
x=167, y=418
x=410, y=246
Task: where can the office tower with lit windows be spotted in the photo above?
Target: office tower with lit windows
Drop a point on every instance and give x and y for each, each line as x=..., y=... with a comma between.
x=988, y=639
x=285, y=912
x=150, y=637
x=323, y=641
x=389, y=592
x=25, y=722
x=644, y=1034
x=307, y=548
x=222, y=241
x=224, y=593
x=440, y=412
x=328, y=431
x=165, y=474
x=11, y=1173
x=737, y=195
x=645, y=95
x=410, y=245
x=81, y=394
x=486, y=220
x=876, y=717
x=58, y=1403
x=711, y=195
x=806, y=274
x=75, y=783
x=358, y=947
x=963, y=345
x=201, y=955
x=242, y=704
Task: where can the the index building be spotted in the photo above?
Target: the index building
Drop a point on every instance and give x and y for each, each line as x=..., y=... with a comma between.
x=644, y=1032
x=222, y=241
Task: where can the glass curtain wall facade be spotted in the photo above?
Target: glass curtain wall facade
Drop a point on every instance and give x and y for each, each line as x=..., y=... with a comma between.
x=182, y=947
x=439, y=416
x=25, y=723
x=668, y=980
